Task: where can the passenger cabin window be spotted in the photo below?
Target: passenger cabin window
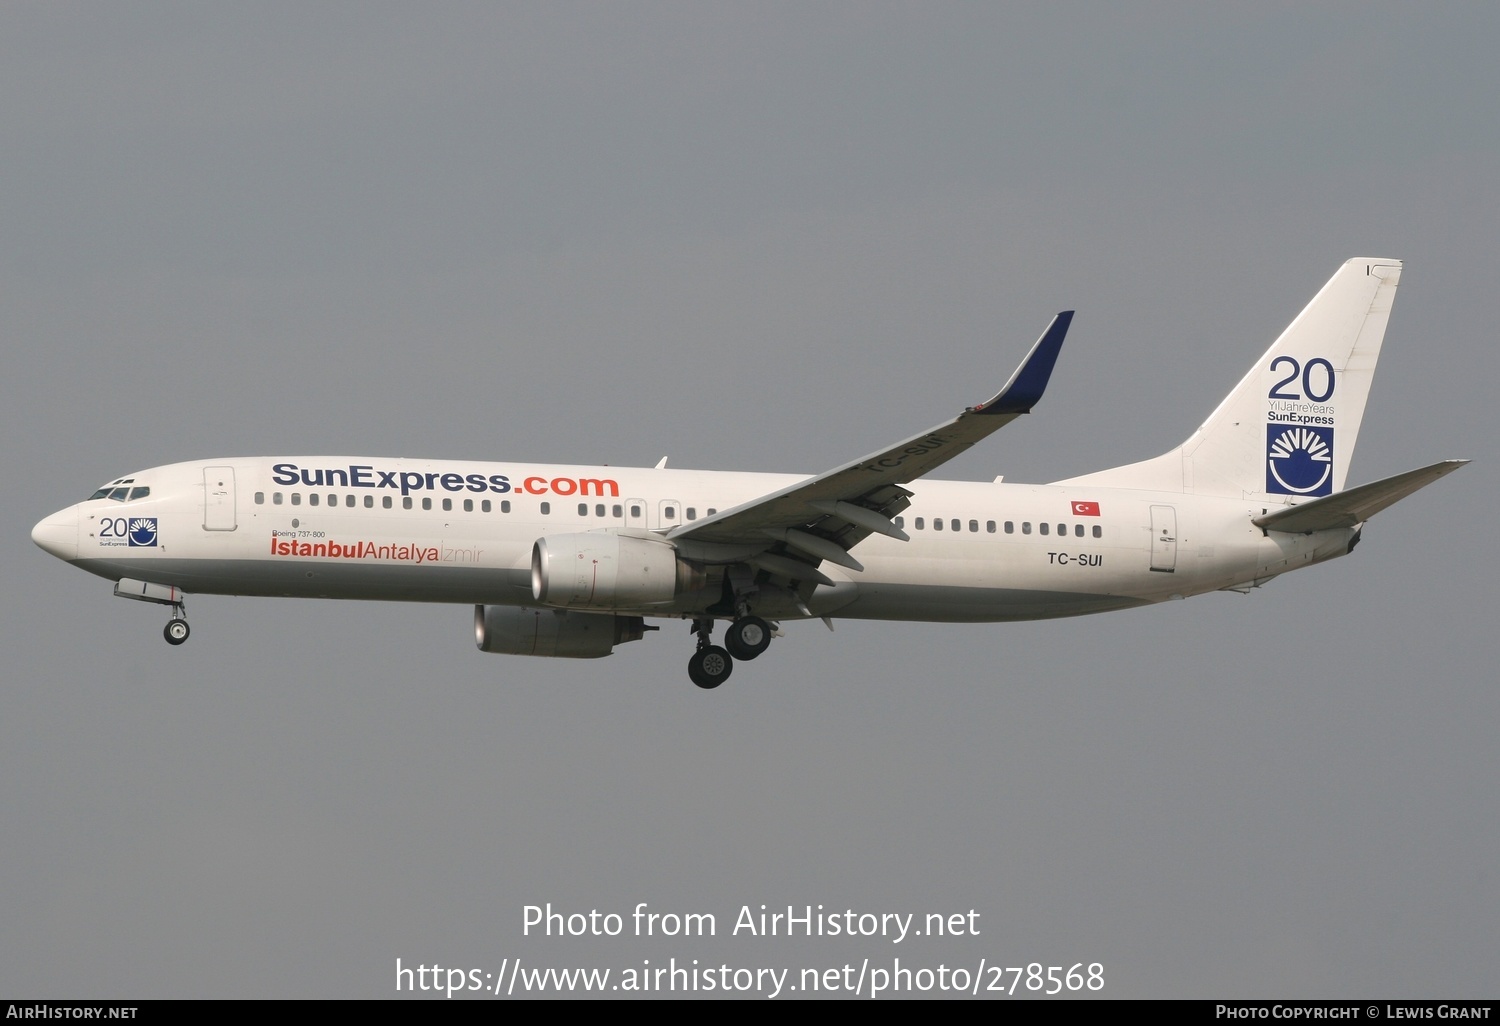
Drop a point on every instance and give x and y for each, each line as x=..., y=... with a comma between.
x=312, y=500
x=1062, y=530
x=447, y=505
x=385, y=502
x=669, y=513
x=276, y=498
x=617, y=511
x=937, y=523
x=369, y=502
x=583, y=509
x=1098, y=531
x=1026, y=527
x=712, y=511
x=426, y=503
x=260, y=498
x=296, y=498
x=504, y=505
x=919, y=523
x=484, y=506
x=989, y=525
x=546, y=509
x=974, y=526
x=468, y=505
x=1043, y=527
x=1078, y=530
x=900, y=521
x=349, y=501
x=599, y=510
x=406, y=502
x=954, y=524
x=1010, y=527
x=692, y=513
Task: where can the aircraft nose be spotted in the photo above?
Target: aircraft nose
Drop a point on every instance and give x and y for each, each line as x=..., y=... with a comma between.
x=58, y=534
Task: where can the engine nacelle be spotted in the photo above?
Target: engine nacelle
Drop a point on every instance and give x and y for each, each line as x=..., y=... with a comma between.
x=520, y=630
x=607, y=571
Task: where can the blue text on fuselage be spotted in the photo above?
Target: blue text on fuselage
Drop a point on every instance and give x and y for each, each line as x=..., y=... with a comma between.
x=405, y=481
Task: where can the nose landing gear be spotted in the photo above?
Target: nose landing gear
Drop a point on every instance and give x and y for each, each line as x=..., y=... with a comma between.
x=176, y=631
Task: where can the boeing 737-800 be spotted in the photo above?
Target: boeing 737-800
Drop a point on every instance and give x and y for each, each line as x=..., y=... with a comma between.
x=571, y=560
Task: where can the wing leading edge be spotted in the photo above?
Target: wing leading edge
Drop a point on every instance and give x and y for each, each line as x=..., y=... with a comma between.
x=825, y=516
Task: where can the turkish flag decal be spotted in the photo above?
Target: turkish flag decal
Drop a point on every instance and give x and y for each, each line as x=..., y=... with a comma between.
x=1085, y=509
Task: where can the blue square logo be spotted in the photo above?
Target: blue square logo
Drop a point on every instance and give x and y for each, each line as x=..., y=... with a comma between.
x=142, y=534
x=1299, y=459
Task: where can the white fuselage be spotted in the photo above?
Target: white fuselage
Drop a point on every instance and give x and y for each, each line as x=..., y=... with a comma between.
x=463, y=532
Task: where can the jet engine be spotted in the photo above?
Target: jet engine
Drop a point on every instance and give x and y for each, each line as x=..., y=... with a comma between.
x=609, y=571
x=519, y=630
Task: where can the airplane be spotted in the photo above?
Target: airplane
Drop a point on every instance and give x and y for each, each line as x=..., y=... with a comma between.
x=570, y=561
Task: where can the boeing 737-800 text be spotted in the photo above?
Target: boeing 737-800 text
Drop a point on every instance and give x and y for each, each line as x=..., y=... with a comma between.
x=571, y=560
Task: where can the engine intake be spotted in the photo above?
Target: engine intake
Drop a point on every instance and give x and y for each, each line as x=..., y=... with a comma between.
x=521, y=630
x=607, y=571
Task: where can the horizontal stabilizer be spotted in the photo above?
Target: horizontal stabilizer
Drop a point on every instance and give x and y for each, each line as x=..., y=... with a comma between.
x=1355, y=506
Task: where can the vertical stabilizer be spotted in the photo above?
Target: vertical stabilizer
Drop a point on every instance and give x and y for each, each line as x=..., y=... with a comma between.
x=1288, y=428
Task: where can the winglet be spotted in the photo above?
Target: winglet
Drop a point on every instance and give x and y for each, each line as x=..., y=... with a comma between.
x=1026, y=385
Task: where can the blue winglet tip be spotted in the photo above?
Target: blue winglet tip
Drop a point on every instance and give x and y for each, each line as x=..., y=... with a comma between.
x=1026, y=385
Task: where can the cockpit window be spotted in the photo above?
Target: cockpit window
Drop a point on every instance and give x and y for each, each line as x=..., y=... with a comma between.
x=139, y=492
x=114, y=490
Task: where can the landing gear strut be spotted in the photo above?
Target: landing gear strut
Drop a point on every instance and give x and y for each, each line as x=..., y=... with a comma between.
x=710, y=665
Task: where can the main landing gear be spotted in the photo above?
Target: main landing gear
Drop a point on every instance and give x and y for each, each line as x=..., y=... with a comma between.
x=746, y=638
x=710, y=666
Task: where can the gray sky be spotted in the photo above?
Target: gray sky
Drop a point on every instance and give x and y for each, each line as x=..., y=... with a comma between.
x=751, y=237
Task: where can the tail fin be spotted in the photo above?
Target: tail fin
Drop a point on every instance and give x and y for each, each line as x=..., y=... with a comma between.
x=1288, y=428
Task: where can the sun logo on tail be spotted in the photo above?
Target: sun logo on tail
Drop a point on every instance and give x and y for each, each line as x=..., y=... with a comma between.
x=1299, y=460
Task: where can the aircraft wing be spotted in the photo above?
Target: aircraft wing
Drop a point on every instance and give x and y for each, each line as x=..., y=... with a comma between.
x=1354, y=505
x=825, y=516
